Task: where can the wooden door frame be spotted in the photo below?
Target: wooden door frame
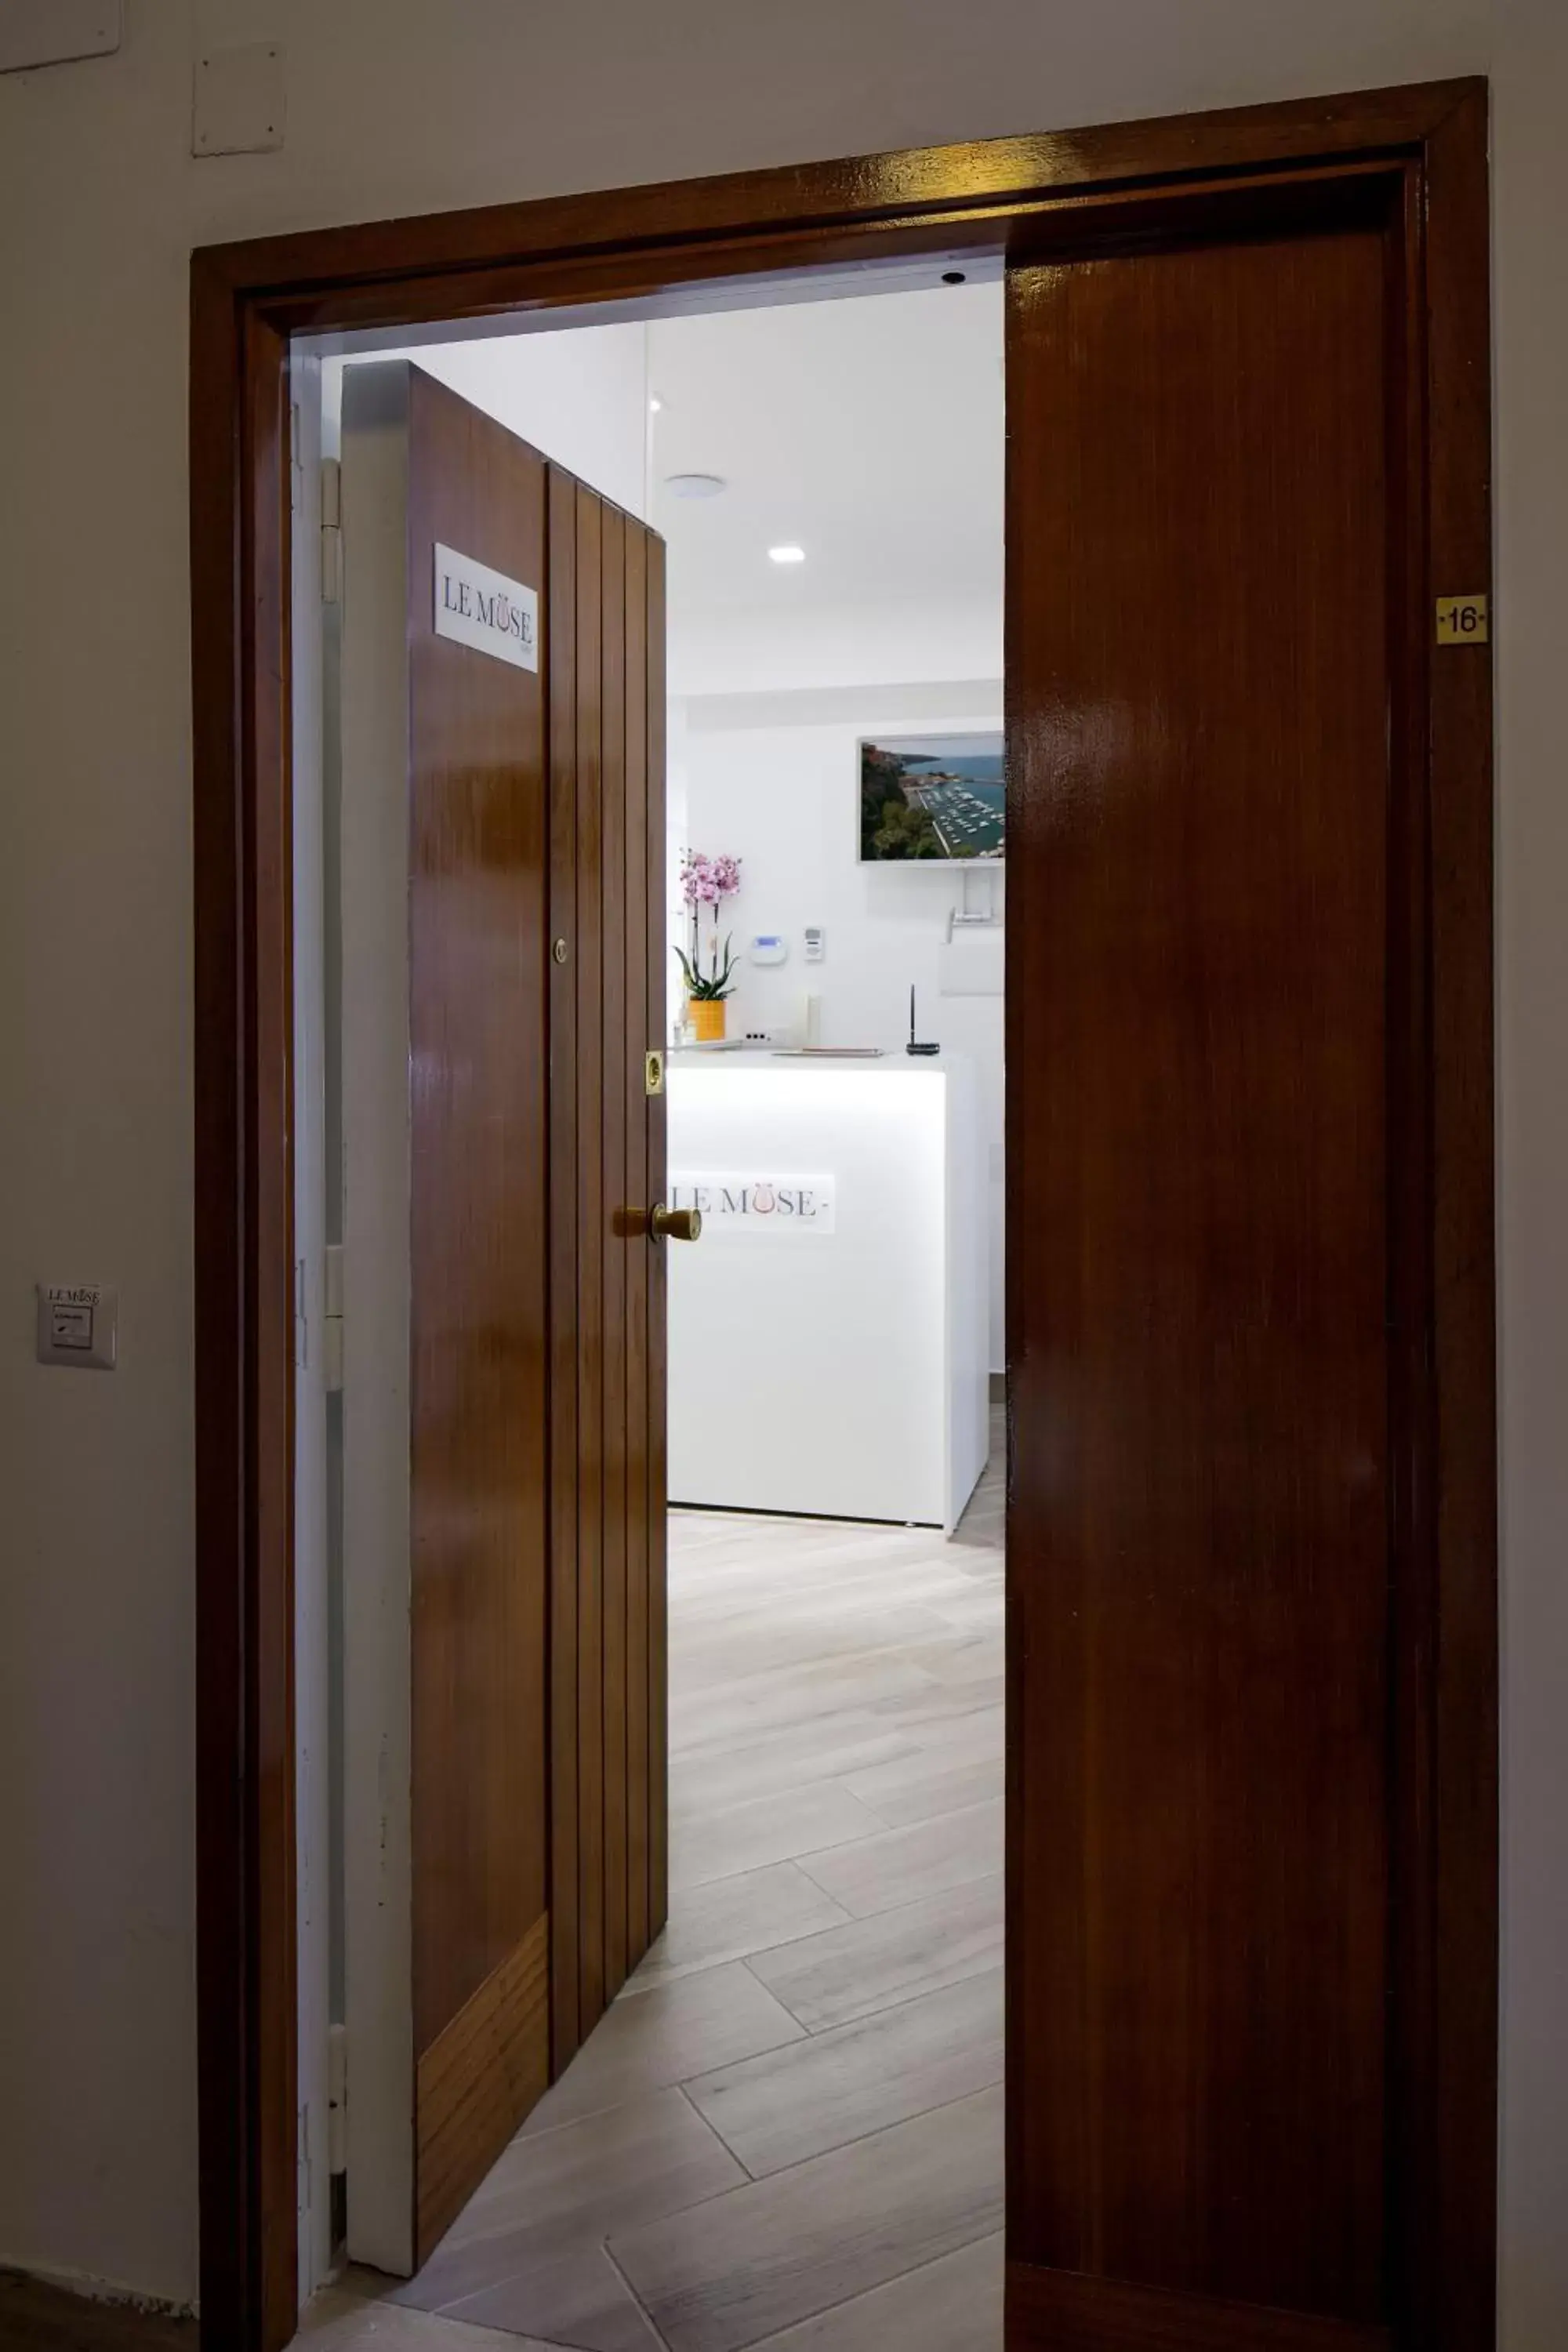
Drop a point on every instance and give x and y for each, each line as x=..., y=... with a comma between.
x=652, y=247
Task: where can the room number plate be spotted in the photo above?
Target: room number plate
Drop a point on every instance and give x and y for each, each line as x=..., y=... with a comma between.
x=1462, y=621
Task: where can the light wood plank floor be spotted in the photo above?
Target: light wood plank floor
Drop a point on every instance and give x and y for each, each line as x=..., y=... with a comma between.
x=787, y=2131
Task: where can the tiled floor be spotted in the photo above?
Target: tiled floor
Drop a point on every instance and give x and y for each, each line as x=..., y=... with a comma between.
x=787, y=2131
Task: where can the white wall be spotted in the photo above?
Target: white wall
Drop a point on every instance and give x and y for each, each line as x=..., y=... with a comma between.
x=757, y=648
x=580, y=395
x=399, y=107
x=777, y=784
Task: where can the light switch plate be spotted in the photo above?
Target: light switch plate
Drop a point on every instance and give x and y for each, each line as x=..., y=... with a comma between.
x=238, y=103
x=79, y=1324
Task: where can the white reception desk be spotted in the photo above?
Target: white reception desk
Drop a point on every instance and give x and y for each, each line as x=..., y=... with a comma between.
x=828, y=1333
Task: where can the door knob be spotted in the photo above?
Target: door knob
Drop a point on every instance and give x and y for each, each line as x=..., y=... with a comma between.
x=673, y=1224
x=658, y=1224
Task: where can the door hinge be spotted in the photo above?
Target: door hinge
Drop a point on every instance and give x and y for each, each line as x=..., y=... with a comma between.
x=301, y=1318
x=331, y=531
x=337, y=2098
x=332, y=1319
x=302, y=2155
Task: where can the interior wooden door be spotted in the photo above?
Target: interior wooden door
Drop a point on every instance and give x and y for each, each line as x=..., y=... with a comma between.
x=1223, y=1615
x=504, y=986
x=504, y=1297
x=445, y=989
x=608, y=1739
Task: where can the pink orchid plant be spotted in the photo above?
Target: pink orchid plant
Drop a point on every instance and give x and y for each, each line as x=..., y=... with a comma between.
x=708, y=882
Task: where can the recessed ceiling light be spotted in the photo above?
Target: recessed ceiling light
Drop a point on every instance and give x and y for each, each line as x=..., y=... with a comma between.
x=786, y=555
x=654, y=404
x=694, y=485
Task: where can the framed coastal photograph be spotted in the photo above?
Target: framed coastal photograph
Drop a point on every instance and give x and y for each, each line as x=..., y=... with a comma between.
x=940, y=798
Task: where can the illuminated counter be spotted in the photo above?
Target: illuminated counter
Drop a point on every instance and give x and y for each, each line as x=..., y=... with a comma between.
x=829, y=1333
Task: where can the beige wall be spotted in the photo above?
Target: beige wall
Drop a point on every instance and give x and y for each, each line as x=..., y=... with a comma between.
x=399, y=107
x=1530, y=98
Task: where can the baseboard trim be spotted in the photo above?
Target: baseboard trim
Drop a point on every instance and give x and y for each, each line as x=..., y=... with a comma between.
x=60, y=2312
x=1068, y=2311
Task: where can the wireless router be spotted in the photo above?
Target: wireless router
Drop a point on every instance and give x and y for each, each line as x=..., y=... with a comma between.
x=912, y=1047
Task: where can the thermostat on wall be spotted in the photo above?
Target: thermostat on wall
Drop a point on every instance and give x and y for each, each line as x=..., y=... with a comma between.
x=768, y=946
x=815, y=943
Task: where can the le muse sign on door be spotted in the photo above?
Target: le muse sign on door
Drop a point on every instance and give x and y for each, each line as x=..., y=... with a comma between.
x=758, y=1204
x=484, y=609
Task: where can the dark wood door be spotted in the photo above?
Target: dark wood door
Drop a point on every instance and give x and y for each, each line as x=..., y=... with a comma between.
x=1220, y=1306
x=479, y=960
x=606, y=636
x=503, y=928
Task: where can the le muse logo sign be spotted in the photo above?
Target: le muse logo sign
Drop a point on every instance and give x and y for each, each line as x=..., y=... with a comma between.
x=479, y=607
x=758, y=1204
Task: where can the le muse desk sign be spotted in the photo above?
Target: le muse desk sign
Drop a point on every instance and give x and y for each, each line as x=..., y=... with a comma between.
x=758, y=1204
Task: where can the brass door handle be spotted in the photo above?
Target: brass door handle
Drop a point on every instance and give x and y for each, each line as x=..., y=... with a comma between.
x=658, y=1224
x=673, y=1224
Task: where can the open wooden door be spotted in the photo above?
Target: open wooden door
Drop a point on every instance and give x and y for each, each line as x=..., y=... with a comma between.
x=502, y=1519
x=1229, y=2080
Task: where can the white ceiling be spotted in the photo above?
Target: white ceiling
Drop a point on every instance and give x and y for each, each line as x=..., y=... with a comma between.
x=867, y=430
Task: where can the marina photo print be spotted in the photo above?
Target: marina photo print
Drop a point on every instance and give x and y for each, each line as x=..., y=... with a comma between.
x=933, y=797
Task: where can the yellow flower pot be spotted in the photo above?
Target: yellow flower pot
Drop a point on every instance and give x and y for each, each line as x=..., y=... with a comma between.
x=706, y=1017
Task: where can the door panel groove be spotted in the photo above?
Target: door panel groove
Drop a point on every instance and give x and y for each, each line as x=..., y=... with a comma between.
x=607, y=686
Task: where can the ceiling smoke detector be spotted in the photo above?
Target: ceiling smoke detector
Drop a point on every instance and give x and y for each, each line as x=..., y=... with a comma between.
x=694, y=485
